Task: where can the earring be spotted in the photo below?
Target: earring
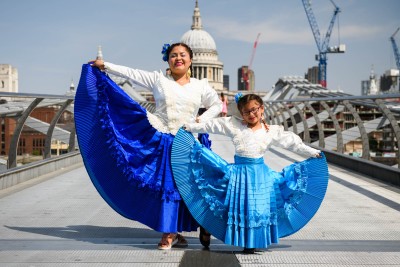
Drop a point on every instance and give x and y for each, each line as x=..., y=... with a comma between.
x=189, y=73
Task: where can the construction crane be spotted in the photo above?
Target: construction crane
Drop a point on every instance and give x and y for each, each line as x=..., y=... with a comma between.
x=395, y=48
x=245, y=74
x=323, y=45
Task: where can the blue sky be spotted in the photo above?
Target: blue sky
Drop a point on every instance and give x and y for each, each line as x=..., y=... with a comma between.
x=48, y=40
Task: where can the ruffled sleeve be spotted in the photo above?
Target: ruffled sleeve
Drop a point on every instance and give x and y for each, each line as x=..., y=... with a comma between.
x=139, y=77
x=221, y=126
x=211, y=102
x=291, y=141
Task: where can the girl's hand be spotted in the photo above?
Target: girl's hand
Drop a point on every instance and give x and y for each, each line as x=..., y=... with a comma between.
x=184, y=127
x=318, y=155
x=99, y=63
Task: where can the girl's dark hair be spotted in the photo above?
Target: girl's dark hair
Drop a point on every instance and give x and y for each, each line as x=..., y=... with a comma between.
x=188, y=49
x=246, y=98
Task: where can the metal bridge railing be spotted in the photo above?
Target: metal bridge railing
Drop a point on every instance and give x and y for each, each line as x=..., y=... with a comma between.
x=39, y=127
x=360, y=126
x=32, y=123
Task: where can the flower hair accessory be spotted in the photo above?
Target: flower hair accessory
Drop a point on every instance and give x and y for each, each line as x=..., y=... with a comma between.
x=238, y=96
x=164, y=51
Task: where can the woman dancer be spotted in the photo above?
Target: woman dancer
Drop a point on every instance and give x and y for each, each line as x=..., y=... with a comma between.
x=247, y=204
x=126, y=149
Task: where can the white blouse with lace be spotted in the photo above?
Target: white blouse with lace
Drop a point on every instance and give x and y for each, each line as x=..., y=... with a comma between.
x=175, y=104
x=253, y=144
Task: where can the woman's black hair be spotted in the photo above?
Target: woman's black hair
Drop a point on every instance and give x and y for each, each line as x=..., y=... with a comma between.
x=246, y=98
x=187, y=48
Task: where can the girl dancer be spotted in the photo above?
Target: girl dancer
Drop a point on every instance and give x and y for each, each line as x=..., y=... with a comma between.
x=247, y=204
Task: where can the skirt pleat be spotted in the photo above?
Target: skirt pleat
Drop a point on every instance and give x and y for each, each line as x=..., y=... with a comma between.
x=246, y=204
x=126, y=158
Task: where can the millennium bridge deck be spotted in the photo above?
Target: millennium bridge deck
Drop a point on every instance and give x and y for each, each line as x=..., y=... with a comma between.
x=60, y=220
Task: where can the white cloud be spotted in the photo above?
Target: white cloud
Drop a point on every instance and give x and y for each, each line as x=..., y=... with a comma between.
x=360, y=31
x=274, y=31
x=271, y=31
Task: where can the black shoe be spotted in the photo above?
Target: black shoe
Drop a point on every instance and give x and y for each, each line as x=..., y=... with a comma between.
x=249, y=250
x=204, y=237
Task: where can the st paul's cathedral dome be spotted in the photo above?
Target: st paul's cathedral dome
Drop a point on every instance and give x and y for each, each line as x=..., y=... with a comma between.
x=205, y=55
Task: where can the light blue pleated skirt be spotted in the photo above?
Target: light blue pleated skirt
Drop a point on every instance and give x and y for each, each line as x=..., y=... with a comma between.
x=246, y=204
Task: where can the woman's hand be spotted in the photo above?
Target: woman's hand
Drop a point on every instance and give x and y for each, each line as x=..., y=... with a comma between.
x=318, y=155
x=99, y=63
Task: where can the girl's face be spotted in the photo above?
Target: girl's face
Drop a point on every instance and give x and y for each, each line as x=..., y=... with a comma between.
x=252, y=112
x=179, y=60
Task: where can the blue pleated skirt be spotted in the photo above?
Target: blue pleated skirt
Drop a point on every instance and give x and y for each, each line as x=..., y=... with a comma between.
x=127, y=159
x=246, y=204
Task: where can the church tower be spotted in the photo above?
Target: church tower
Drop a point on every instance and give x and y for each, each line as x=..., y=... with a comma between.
x=8, y=78
x=373, y=88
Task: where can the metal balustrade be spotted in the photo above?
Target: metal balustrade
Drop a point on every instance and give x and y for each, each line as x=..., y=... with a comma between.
x=362, y=119
x=370, y=123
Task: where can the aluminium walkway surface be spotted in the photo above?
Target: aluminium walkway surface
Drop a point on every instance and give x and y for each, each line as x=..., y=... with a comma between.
x=61, y=220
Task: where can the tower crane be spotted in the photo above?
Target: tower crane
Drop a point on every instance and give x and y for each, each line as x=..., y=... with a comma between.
x=245, y=74
x=395, y=48
x=322, y=45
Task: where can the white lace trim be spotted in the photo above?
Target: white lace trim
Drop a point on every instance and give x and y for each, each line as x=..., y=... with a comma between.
x=157, y=123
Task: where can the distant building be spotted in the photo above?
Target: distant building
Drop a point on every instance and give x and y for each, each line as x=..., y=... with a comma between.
x=8, y=78
x=364, y=87
x=226, y=82
x=312, y=75
x=31, y=141
x=7, y=129
x=370, y=87
x=71, y=91
x=242, y=73
x=389, y=81
x=373, y=87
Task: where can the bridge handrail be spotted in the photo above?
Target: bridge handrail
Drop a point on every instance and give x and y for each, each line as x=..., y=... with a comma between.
x=384, y=108
x=304, y=116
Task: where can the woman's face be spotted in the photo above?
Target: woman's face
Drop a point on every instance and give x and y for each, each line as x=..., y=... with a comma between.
x=179, y=60
x=252, y=112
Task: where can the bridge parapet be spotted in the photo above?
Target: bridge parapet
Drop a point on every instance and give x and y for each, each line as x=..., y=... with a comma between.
x=363, y=128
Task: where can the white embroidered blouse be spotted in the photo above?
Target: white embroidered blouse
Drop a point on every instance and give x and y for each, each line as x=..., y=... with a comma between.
x=249, y=143
x=175, y=104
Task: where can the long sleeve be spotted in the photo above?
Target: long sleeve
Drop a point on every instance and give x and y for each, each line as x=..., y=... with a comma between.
x=291, y=141
x=216, y=126
x=140, y=77
x=212, y=103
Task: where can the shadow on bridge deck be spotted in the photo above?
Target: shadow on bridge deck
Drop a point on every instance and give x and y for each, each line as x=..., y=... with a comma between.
x=62, y=221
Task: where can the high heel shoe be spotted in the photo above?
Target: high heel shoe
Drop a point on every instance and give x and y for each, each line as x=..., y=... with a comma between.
x=204, y=237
